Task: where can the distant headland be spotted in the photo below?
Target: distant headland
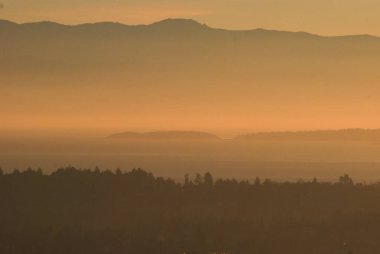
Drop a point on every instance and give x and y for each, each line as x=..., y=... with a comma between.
x=165, y=135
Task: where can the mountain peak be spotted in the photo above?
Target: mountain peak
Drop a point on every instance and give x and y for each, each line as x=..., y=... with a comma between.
x=177, y=21
x=178, y=24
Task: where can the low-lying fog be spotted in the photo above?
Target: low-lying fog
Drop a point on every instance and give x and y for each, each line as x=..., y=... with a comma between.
x=223, y=158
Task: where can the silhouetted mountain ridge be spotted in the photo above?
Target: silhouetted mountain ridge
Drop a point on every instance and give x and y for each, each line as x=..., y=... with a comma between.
x=171, y=25
x=186, y=71
x=178, y=23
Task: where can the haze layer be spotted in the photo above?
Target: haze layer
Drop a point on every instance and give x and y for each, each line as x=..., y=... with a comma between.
x=179, y=74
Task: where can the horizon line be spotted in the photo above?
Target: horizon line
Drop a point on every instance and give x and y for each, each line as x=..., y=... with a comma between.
x=188, y=20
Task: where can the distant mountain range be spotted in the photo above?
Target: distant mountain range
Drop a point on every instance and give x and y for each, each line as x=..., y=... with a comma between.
x=174, y=26
x=319, y=135
x=185, y=71
x=165, y=135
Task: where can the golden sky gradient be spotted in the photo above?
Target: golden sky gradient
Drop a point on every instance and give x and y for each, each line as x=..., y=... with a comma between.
x=327, y=17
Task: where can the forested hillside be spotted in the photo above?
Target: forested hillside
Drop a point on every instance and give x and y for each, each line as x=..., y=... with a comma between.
x=95, y=211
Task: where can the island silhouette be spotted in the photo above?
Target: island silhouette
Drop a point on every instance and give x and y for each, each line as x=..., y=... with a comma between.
x=165, y=135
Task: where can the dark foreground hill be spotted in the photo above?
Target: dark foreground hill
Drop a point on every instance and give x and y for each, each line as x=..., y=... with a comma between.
x=322, y=135
x=84, y=211
x=165, y=135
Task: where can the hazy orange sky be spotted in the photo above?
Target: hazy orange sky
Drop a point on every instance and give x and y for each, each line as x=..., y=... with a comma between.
x=317, y=16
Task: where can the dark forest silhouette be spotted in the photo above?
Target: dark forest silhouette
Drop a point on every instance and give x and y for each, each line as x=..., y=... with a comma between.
x=94, y=211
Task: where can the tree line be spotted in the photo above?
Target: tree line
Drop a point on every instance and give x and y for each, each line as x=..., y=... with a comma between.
x=100, y=211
